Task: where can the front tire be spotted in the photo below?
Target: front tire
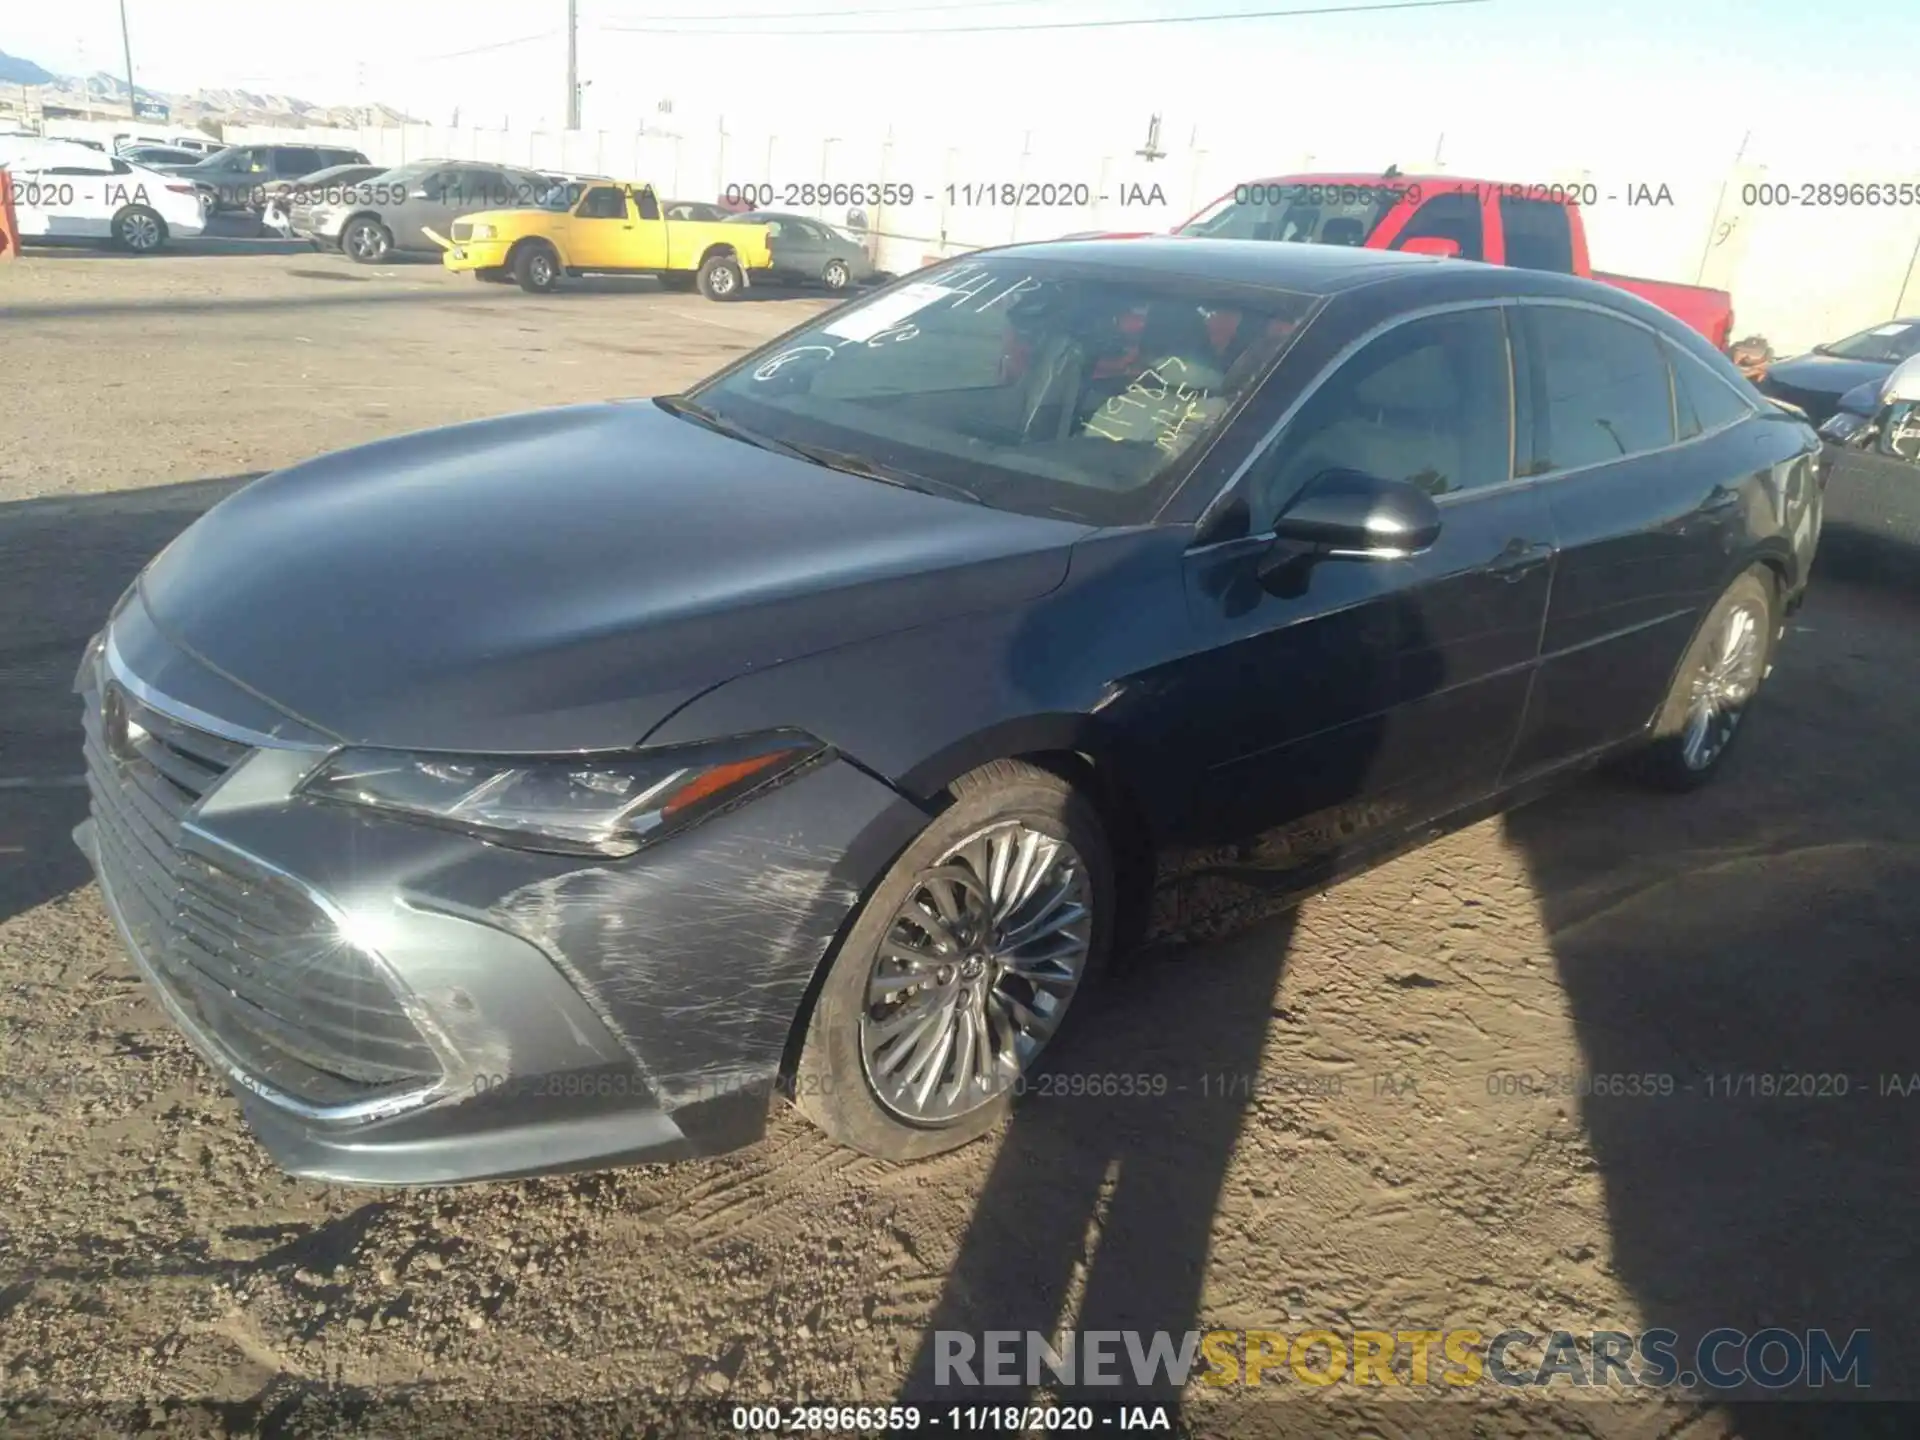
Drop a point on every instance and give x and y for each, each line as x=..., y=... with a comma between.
x=960, y=967
x=721, y=278
x=366, y=241
x=1716, y=683
x=139, y=230
x=536, y=267
x=836, y=276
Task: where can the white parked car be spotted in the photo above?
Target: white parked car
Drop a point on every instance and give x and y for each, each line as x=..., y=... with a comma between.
x=65, y=190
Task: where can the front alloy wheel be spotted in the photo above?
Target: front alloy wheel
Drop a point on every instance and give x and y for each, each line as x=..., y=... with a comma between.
x=959, y=968
x=975, y=973
x=836, y=276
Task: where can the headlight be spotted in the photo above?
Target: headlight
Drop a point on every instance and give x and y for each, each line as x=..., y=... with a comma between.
x=602, y=804
x=483, y=232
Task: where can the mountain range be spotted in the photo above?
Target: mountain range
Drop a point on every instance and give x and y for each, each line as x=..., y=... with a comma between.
x=224, y=106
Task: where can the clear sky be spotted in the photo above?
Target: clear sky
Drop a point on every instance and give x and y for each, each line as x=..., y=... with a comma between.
x=1661, y=78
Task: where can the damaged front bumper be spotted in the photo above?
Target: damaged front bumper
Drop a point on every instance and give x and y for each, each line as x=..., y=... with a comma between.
x=400, y=1004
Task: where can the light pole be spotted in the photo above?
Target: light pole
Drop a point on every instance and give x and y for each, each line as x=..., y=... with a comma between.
x=573, y=64
x=126, y=53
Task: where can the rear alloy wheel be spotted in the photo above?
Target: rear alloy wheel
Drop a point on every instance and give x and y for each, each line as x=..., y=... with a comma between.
x=366, y=241
x=960, y=968
x=721, y=278
x=836, y=276
x=537, y=268
x=1723, y=669
x=139, y=229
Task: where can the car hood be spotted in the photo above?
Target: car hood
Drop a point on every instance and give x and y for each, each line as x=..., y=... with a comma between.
x=1826, y=374
x=564, y=579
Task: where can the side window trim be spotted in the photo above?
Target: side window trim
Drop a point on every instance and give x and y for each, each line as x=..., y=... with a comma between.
x=1258, y=450
x=1662, y=343
x=1676, y=356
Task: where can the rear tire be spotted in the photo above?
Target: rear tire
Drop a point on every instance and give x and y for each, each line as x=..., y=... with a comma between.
x=1702, y=716
x=721, y=278
x=954, y=1010
x=139, y=230
x=536, y=268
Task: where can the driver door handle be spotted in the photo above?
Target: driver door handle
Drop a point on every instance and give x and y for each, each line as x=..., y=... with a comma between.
x=1518, y=558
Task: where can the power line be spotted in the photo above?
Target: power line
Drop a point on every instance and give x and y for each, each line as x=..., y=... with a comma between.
x=832, y=14
x=483, y=49
x=1049, y=24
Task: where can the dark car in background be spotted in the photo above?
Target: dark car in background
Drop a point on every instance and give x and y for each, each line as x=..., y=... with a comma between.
x=160, y=157
x=1819, y=380
x=552, y=791
x=402, y=210
x=807, y=251
x=694, y=210
x=237, y=178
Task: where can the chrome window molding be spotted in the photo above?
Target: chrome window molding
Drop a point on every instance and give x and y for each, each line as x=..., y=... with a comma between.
x=1505, y=487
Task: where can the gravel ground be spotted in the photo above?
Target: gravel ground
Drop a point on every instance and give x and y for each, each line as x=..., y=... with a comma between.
x=1367, y=1175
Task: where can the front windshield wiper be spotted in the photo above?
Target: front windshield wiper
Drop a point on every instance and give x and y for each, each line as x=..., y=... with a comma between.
x=849, y=463
x=845, y=461
x=713, y=420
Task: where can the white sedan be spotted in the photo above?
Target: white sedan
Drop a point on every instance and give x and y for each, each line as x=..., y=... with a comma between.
x=66, y=191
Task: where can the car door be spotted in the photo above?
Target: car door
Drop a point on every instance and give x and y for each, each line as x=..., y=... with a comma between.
x=1373, y=693
x=79, y=197
x=648, y=245
x=1648, y=510
x=600, y=234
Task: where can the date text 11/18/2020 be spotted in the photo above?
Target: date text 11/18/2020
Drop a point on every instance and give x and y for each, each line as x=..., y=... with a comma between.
x=973, y=194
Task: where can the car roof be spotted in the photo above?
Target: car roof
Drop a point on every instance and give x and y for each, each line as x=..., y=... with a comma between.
x=1312, y=269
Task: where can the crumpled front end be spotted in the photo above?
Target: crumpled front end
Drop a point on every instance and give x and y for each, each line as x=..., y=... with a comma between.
x=396, y=1003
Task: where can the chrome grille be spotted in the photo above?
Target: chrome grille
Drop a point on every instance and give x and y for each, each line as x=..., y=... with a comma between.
x=254, y=962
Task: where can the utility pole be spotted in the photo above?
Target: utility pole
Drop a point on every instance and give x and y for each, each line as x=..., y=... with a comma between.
x=126, y=52
x=573, y=64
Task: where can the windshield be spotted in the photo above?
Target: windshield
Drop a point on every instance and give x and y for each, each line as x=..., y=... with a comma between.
x=1892, y=342
x=1044, y=387
x=1311, y=212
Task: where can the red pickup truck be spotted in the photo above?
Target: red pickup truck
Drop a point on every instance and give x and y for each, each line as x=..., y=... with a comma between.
x=1534, y=226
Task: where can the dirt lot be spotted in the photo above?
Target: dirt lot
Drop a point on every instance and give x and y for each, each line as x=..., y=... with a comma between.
x=1369, y=1175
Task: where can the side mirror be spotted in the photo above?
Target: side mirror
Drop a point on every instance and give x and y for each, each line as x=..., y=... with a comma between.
x=1433, y=245
x=1350, y=515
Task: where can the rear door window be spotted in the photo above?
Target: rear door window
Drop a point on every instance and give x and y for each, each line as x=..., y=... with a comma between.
x=1604, y=388
x=1539, y=234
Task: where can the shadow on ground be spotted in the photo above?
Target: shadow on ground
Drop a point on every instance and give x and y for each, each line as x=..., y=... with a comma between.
x=63, y=564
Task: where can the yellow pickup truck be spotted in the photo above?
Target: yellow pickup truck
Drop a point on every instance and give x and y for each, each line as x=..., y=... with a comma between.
x=606, y=227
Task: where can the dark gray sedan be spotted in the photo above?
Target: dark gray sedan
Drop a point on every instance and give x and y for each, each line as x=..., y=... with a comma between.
x=1817, y=380
x=555, y=790
x=807, y=251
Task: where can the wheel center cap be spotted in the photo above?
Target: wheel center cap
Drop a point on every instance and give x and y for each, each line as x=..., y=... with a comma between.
x=973, y=967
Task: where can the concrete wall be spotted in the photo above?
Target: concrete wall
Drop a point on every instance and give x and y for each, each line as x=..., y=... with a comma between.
x=1798, y=273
